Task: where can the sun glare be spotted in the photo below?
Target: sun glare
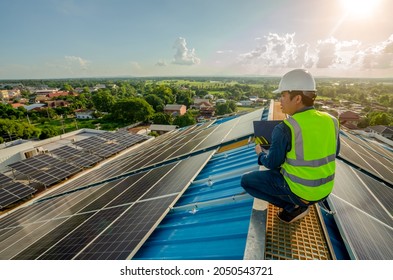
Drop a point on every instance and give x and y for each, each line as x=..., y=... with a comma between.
x=359, y=8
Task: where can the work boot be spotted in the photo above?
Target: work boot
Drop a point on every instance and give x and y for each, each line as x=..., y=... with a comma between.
x=297, y=214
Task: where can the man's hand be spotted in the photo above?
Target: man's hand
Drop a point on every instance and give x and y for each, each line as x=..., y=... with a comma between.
x=259, y=149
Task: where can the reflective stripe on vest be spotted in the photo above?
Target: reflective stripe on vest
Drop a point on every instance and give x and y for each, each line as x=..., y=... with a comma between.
x=299, y=151
x=308, y=177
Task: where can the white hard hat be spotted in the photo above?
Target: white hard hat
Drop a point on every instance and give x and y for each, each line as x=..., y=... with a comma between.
x=296, y=80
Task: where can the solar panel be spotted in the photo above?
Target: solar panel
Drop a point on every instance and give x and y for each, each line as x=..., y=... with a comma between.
x=36, y=249
x=364, y=220
x=137, y=191
x=80, y=236
x=19, y=189
x=4, y=179
x=7, y=198
x=125, y=191
x=366, y=158
x=145, y=196
x=115, y=189
x=124, y=237
x=90, y=142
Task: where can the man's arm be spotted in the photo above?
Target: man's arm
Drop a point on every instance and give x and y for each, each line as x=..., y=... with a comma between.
x=275, y=156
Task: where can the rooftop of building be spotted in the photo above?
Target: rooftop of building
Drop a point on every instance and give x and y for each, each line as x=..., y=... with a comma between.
x=178, y=197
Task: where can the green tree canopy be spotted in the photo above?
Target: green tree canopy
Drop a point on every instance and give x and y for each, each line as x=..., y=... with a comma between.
x=12, y=129
x=103, y=100
x=156, y=102
x=165, y=93
x=48, y=132
x=162, y=118
x=226, y=108
x=184, y=120
x=184, y=97
x=132, y=110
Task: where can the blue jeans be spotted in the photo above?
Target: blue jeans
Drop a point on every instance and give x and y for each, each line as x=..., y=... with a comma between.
x=270, y=185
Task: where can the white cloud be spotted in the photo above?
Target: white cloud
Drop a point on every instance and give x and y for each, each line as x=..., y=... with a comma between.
x=224, y=51
x=276, y=51
x=135, y=65
x=379, y=56
x=183, y=55
x=76, y=61
x=161, y=63
x=333, y=53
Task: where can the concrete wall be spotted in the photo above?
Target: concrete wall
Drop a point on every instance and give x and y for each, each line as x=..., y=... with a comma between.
x=13, y=154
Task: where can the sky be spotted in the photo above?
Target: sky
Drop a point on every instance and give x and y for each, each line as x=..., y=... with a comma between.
x=44, y=39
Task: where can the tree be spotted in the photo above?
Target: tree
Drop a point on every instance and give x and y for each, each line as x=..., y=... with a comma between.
x=380, y=119
x=103, y=100
x=232, y=105
x=184, y=97
x=48, y=132
x=156, y=102
x=15, y=129
x=132, y=110
x=224, y=108
x=67, y=87
x=86, y=89
x=162, y=118
x=184, y=120
x=165, y=93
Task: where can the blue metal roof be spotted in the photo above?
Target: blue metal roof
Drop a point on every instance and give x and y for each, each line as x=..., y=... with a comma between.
x=197, y=226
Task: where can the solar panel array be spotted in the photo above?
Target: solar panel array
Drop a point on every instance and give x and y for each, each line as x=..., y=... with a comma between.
x=170, y=146
x=363, y=210
x=109, y=143
x=367, y=155
x=110, y=221
x=126, y=200
x=11, y=192
x=45, y=169
x=76, y=157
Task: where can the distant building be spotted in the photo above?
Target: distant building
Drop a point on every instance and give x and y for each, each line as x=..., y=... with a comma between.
x=61, y=93
x=207, y=112
x=220, y=101
x=385, y=131
x=201, y=103
x=57, y=103
x=349, y=119
x=162, y=128
x=246, y=102
x=84, y=114
x=4, y=94
x=16, y=105
x=44, y=91
x=175, y=109
x=34, y=107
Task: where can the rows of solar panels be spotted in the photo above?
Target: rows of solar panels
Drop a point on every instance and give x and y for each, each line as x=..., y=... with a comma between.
x=12, y=191
x=129, y=197
x=363, y=204
x=109, y=221
x=170, y=146
x=64, y=162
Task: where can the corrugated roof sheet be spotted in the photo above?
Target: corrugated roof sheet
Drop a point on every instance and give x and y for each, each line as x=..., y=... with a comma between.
x=211, y=219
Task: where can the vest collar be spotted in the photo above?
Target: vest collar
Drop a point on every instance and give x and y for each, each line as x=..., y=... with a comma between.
x=305, y=109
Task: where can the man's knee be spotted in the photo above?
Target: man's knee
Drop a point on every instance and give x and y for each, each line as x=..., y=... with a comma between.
x=243, y=181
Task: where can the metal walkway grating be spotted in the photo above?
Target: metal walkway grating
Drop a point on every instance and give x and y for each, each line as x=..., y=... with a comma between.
x=301, y=240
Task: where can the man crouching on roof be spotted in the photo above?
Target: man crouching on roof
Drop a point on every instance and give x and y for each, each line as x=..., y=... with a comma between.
x=301, y=159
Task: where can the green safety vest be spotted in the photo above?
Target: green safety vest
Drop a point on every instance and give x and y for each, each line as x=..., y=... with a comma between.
x=310, y=165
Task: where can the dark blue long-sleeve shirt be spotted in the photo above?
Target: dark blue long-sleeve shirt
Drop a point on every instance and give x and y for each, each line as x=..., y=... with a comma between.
x=281, y=144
